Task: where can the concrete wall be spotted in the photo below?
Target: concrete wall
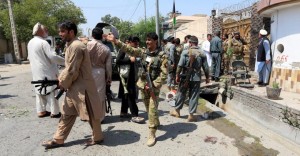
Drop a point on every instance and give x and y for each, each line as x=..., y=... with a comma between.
x=197, y=28
x=261, y=110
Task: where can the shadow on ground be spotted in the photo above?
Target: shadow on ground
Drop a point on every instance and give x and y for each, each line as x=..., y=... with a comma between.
x=119, y=137
x=3, y=78
x=175, y=129
x=4, y=84
x=7, y=96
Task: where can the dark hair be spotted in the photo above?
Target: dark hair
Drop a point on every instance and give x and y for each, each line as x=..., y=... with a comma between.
x=187, y=37
x=194, y=39
x=133, y=39
x=177, y=41
x=152, y=35
x=218, y=33
x=208, y=35
x=164, y=41
x=97, y=33
x=67, y=25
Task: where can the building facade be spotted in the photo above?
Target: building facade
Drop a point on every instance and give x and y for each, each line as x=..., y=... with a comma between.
x=285, y=37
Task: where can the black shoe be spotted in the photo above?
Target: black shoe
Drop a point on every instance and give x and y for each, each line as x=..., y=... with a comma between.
x=259, y=83
x=212, y=78
x=56, y=116
x=263, y=85
x=217, y=79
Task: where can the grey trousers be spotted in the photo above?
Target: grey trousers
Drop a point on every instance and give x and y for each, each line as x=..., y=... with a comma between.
x=193, y=89
x=216, y=64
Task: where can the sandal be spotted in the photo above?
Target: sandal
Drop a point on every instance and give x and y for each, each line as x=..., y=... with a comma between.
x=50, y=144
x=137, y=119
x=46, y=113
x=91, y=142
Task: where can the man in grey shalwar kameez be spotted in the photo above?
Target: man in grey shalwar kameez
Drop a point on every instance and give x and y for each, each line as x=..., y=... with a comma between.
x=263, y=59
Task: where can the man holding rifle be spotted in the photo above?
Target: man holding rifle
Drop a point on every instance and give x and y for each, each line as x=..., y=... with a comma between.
x=82, y=98
x=44, y=68
x=189, y=67
x=154, y=63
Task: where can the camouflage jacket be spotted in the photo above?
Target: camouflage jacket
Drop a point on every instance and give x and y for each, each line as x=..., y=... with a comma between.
x=155, y=61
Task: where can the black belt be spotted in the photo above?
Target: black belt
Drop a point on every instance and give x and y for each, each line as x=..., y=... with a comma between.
x=215, y=52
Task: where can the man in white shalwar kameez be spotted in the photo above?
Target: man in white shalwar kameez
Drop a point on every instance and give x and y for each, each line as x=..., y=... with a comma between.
x=206, y=48
x=44, y=63
x=263, y=59
x=100, y=56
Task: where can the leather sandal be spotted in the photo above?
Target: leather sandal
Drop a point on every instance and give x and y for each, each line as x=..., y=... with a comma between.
x=45, y=114
x=50, y=144
x=91, y=142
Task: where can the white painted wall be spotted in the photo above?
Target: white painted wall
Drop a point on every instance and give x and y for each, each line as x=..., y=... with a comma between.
x=285, y=29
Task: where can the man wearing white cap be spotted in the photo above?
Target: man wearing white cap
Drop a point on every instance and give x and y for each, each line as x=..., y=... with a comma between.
x=263, y=59
x=44, y=65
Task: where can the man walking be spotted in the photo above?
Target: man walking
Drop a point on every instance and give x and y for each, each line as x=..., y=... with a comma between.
x=43, y=64
x=101, y=65
x=170, y=50
x=216, y=50
x=190, y=66
x=81, y=98
x=263, y=59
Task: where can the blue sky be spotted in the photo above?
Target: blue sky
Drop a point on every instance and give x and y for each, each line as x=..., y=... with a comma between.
x=130, y=10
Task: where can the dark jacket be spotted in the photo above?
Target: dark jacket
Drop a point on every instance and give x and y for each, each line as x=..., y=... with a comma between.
x=216, y=45
x=123, y=59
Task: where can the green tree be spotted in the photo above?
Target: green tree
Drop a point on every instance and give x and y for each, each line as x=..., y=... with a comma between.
x=141, y=29
x=48, y=12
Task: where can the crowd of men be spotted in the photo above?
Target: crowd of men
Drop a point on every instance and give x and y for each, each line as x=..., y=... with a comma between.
x=88, y=71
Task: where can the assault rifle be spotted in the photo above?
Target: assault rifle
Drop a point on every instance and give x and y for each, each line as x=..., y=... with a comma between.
x=43, y=84
x=185, y=78
x=108, y=98
x=149, y=84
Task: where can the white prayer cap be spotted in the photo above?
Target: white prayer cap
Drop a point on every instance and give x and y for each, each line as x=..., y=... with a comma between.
x=263, y=32
x=36, y=27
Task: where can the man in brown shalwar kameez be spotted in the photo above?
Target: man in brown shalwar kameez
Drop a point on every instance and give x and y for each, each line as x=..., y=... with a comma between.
x=101, y=65
x=81, y=98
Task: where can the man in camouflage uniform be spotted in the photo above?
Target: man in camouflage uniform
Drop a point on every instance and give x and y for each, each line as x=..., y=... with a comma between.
x=170, y=51
x=227, y=51
x=155, y=61
x=238, y=47
x=190, y=64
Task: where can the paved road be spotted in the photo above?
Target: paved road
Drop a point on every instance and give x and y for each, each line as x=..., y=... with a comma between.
x=21, y=132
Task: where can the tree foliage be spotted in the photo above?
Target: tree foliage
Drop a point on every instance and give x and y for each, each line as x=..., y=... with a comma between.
x=127, y=28
x=48, y=12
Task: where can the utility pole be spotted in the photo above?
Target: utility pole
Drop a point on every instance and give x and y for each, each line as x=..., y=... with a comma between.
x=145, y=12
x=157, y=22
x=13, y=31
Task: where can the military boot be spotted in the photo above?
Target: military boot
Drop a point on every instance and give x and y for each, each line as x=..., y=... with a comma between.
x=192, y=118
x=151, y=138
x=175, y=113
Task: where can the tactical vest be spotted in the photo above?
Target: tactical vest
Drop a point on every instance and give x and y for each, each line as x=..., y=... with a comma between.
x=238, y=46
x=197, y=63
x=153, y=63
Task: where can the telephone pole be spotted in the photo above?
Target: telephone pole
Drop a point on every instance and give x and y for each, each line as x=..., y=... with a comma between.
x=13, y=31
x=157, y=21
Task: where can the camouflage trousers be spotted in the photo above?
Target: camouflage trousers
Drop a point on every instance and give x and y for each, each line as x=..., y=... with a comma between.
x=151, y=109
